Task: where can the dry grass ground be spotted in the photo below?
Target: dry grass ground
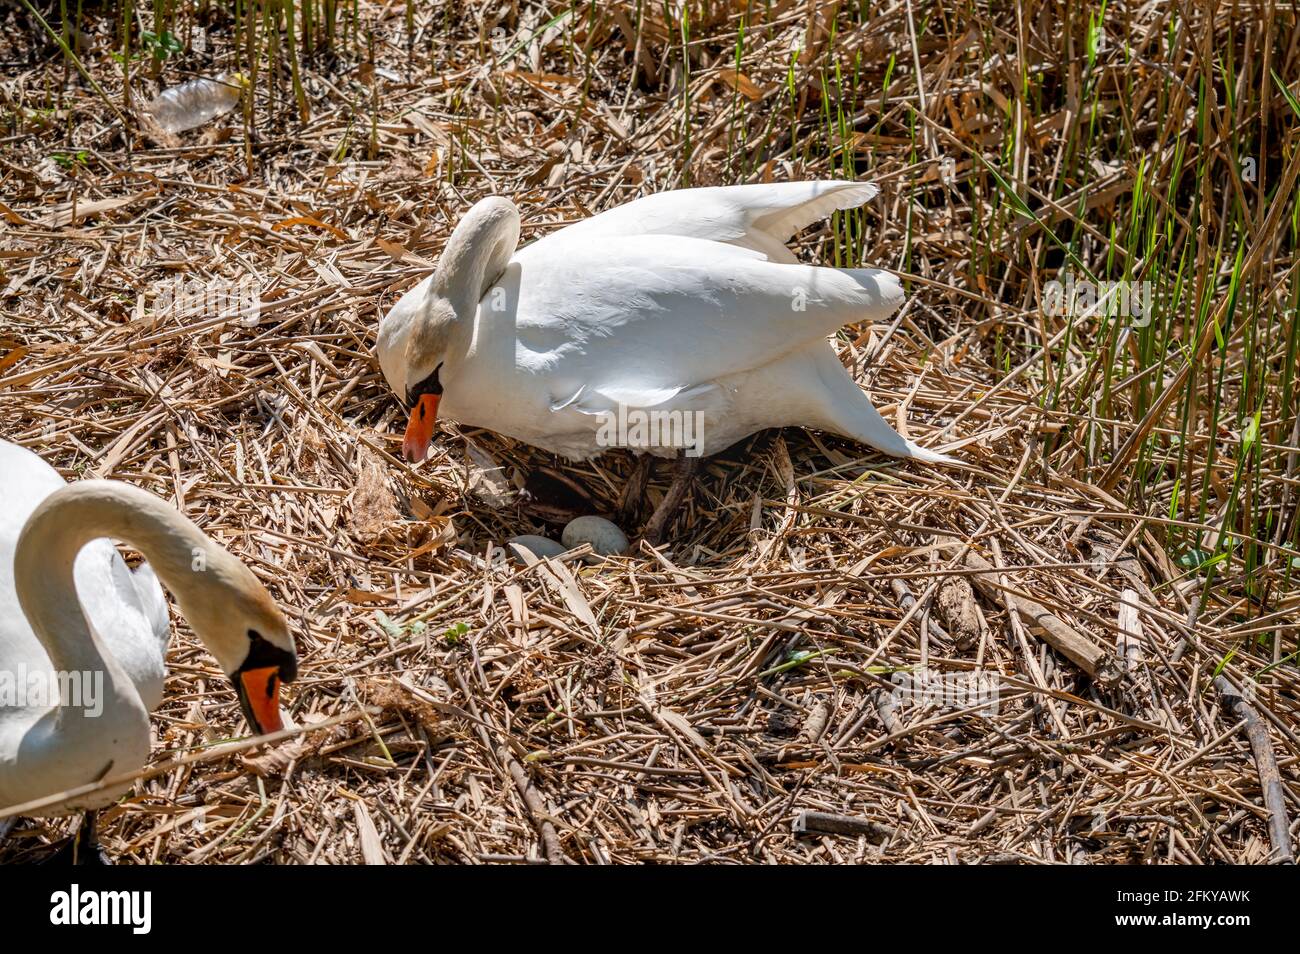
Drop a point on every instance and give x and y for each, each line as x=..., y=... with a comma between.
x=1122, y=530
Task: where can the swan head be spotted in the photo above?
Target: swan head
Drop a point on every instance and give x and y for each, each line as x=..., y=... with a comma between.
x=413, y=345
x=234, y=616
x=422, y=339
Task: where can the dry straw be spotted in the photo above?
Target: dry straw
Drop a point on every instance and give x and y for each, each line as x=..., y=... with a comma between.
x=725, y=699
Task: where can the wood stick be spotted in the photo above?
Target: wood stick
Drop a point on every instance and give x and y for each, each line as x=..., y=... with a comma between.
x=537, y=808
x=1261, y=746
x=826, y=823
x=1097, y=662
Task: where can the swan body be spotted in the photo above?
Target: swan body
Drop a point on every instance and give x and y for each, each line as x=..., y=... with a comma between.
x=685, y=302
x=83, y=638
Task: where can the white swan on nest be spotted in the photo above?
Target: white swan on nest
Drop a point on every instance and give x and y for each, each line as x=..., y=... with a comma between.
x=684, y=301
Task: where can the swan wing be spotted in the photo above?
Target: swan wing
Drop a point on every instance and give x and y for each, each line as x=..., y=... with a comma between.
x=126, y=609
x=651, y=314
x=152, y=601
x=760, y=217
x=28, y=480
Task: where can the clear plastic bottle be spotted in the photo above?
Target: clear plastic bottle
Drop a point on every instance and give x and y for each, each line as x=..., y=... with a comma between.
x=198, y=101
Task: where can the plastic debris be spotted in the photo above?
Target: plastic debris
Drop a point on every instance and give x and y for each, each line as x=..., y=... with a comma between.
x=198, y=101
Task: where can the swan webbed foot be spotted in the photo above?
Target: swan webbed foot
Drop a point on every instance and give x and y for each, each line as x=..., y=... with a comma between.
x=83, y=848
x=686, y=468
x=629, y=502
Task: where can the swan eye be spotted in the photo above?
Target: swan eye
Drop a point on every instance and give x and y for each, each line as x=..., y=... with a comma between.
x=430, y=385
x=262, y=653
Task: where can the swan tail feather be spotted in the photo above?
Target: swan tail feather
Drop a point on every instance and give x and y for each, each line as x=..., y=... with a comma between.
x=847, y=410
x=800, y=204
x=916, y=452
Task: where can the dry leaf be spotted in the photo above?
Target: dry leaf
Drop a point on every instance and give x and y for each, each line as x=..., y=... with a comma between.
x=741, y=84
x=373, y=506
x=312, y=221
x=72, y=212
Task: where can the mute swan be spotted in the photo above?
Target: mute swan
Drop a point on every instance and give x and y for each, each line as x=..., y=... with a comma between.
x=685, y=302
x=83, y=638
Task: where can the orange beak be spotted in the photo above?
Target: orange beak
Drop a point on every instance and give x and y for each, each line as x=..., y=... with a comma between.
x=419, y=429
x=259, y=697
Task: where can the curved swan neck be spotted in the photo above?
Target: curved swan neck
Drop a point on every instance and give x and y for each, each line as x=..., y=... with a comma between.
x=65, y=522
x=476, y=254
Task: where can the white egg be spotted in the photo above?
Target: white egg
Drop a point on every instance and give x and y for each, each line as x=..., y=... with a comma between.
x=605, y=538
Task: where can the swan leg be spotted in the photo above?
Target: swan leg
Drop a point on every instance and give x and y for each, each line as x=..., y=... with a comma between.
x=629, y=503
x=682, y=480
x=82, y=848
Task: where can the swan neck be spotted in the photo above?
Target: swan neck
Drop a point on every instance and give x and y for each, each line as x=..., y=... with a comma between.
x=477, y=253
x=55, y=533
